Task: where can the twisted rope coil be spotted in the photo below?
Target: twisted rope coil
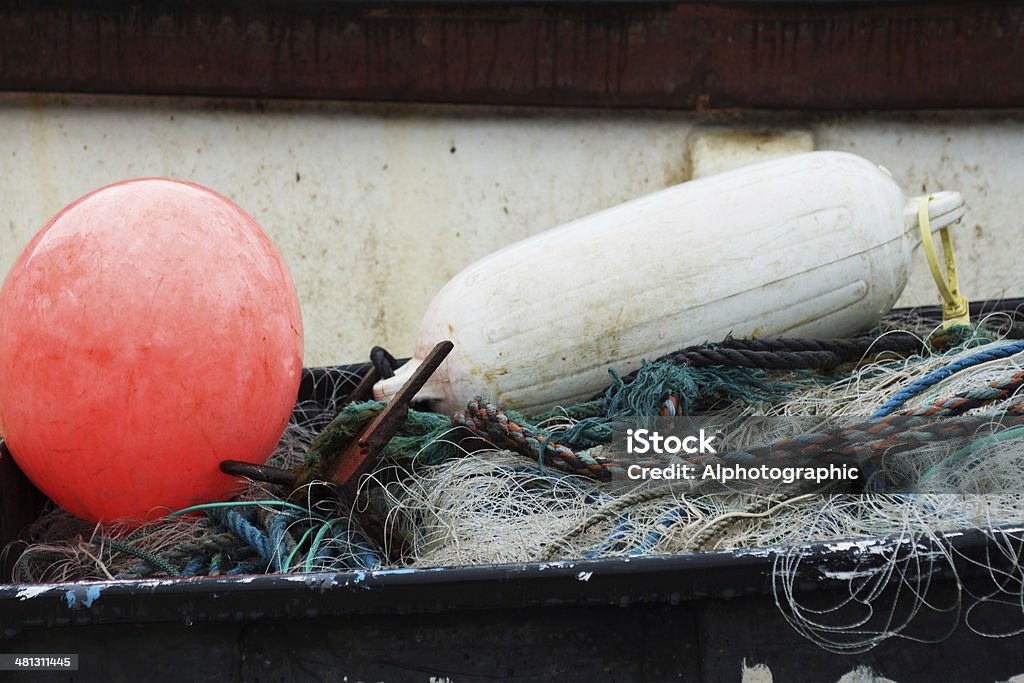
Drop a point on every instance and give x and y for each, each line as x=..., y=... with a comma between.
x=930, y=380
x=485, y=420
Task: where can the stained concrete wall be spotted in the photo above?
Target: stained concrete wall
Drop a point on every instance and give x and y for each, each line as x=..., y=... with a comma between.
x=375, y=207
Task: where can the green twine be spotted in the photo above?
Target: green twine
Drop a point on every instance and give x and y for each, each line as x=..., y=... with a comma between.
x=643, y=397
x=314, y=548
x=237, y=503
x=154, y=560
x=654, y=381
x=959, y=338
x=420, y=440
x=580, y=411
x=295, y=550
x=197, y=550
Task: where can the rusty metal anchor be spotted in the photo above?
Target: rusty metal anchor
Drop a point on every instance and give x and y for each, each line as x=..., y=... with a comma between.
x=362, y=455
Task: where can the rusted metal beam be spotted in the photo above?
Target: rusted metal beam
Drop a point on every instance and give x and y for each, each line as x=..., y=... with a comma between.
x=677, y=55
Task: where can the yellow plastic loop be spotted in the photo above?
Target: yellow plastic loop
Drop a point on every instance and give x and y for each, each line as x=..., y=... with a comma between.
x=956, y=310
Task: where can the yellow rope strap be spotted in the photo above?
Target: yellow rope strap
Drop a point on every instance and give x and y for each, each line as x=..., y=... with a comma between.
x=955, y=307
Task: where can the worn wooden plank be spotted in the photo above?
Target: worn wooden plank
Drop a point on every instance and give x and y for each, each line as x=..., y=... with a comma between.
x=678, y=55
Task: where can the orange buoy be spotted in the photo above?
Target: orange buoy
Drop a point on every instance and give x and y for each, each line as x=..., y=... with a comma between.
x=147, y=332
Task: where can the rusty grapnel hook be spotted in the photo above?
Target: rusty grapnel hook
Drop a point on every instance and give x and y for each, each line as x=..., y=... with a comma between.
x=345, y=467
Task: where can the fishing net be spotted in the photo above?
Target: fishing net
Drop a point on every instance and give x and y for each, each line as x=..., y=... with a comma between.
x=536, y=493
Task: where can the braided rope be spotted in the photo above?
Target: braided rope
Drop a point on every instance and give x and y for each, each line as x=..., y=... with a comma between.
x=277, y=532
x=747, y=358
x=245, y=531
x=154, y=560
x=193, y=566
x=859, y=442
x=791, y=354
x=969, y=400
x=24, y=570
x=722, y=524
x=487, y=421
x=928, y=381
x=847, y=349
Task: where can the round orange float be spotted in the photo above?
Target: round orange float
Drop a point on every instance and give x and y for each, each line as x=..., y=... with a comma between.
x=147, y=332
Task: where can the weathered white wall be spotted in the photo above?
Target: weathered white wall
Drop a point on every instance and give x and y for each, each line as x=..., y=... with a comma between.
x=374, y=207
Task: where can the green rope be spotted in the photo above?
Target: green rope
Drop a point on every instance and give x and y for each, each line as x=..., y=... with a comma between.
x=314, y=547
x=290, y=560
x=25, y=570
x=645, y=394
x=421, y=439
x=237, y=503
x=156, y=561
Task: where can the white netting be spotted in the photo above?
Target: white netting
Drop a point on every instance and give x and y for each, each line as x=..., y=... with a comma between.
x=493, y=507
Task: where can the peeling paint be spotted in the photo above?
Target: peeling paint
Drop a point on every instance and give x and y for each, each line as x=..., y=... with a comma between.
x=755, y=552
x=391, y=572
x=297, y=578
x=82, y=596
x=560, y=564
x=871, y=545
x=407, y=570
x=850, y=576
x=29, y=592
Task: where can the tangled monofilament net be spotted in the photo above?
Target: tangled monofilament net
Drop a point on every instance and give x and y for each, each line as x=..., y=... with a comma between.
x=495, y=507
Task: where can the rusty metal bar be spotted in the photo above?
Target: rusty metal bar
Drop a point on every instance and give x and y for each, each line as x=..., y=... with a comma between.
x=366, y=452
x=676, y=55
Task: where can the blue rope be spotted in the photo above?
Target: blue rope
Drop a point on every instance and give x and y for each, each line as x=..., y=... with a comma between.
x=363, y=555
x=324, y=555
x=658, y=532
x=278, y=532
x=240, y=527
x=928, y=381
x=614, y=540
x=193, y=566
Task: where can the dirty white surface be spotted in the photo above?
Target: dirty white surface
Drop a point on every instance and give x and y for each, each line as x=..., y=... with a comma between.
x=374, y=207
x=826, y=255
x=717, y=149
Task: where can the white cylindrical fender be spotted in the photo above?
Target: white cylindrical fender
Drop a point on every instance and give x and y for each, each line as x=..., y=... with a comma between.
x=815, y=244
